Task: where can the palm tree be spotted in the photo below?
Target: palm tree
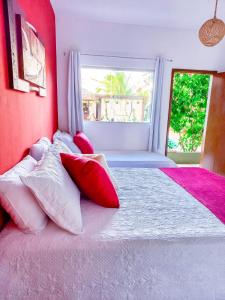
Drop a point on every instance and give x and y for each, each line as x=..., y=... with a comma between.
x=115, y=84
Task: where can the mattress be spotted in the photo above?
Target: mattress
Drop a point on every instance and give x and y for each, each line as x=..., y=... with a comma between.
x=136, y=159
x=161, y=244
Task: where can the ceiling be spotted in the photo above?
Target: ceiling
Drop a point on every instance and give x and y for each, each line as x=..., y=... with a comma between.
x=184, y=14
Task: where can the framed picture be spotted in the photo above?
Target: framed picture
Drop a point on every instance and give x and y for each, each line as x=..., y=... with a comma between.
x=32, y=54
x=26, y=52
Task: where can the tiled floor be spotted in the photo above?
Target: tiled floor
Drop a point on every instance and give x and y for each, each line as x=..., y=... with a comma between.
x=189, y=165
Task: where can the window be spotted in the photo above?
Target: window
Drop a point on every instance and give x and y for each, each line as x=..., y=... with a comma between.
x=111, y=95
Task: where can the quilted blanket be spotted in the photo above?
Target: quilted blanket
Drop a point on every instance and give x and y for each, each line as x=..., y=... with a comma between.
x=162, y=244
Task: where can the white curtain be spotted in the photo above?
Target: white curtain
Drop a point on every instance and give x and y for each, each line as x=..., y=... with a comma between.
x=154, y=133
x=75, y=111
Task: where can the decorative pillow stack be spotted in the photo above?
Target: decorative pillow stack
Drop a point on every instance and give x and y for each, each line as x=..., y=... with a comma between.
x=83, y=143
x=67, y=139
x=3, y=218
x=33, y=191
x=26, y=165
x=56, y=194
x=92, y=179
x=77, y=144
x=19, y=201
x=57, y=147
x=102, y=160
x=40, y=148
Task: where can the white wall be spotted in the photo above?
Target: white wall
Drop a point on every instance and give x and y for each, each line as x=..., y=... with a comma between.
x=118, y=136
x=182, y=46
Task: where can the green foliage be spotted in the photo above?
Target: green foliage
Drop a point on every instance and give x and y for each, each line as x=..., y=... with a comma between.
x=189, y=101
x=115, y=84
x=120, y=84
x=172, y=144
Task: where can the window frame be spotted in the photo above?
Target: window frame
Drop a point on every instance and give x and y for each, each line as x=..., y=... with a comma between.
x=147, y=70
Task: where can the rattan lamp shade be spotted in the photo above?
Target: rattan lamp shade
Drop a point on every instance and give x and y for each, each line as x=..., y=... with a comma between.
x=212, y=32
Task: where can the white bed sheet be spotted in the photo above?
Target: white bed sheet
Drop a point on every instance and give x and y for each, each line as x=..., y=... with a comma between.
x=137, y=159
x=161, y=244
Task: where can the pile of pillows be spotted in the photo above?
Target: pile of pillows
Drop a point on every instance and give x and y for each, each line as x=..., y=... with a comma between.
x=49, y=183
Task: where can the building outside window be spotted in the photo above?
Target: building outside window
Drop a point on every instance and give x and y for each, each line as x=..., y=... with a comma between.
x=112, y=95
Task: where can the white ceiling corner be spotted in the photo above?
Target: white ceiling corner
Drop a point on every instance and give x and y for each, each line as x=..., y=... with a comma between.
x=181, y=14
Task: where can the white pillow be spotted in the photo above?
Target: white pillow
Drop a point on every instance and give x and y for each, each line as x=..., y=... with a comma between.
x=59, y=147
x=21, y=205
x=67, y=139
x=56, y=193
x=37, y=150
x=25, y=165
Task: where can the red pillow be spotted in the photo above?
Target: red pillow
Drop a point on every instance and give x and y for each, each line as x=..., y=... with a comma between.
x=83, y=143
x=3, y=218
x=92, y=179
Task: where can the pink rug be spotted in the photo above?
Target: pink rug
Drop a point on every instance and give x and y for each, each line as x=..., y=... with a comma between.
x=207, y=187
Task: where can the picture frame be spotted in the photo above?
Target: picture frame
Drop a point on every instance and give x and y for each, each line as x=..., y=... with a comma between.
x=26, y=53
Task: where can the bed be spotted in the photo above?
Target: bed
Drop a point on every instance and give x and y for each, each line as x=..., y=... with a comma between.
x=161, y=244
x=137, y=159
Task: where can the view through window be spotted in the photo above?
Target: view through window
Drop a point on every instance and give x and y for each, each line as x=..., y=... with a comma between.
x=116, y=95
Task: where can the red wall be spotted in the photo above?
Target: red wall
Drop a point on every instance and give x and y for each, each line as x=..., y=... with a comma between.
x=25, y=117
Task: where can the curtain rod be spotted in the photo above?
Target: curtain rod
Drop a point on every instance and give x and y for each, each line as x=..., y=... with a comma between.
x=125, y=57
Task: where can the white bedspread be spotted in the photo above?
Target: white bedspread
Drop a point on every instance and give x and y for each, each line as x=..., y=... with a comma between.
x=161, y=244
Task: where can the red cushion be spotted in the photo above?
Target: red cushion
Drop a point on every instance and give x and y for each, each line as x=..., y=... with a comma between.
x=83, y=143
x=3, y=218
x=92, y=179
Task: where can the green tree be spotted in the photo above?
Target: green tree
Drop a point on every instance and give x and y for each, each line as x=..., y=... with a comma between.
x=115, y=84
x=189, y=102
x=118, y=84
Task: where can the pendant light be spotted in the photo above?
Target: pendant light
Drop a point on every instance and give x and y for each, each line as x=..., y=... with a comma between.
x=212, y=31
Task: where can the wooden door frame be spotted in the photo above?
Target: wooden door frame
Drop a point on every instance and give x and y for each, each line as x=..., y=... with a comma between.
x=171, y=93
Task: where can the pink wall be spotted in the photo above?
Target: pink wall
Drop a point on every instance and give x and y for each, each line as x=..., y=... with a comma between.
x=25, y=117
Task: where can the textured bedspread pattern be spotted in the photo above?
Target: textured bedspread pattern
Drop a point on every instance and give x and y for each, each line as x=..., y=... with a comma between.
x=161, y=244
x=207, y=187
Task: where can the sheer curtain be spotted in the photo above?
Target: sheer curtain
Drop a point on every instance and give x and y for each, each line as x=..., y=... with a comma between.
x=154, y=133
x=75, y=111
